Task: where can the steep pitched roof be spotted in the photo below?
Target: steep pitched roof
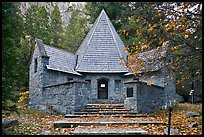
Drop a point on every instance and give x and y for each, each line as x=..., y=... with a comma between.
x=102, y=49
x=59, y=59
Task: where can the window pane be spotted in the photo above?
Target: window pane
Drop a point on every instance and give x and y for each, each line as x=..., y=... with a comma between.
x=129, y=92
x=117, y=85
x=35, y=65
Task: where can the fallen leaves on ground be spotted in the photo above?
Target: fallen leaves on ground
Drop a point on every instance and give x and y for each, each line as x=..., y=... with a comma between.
x=33, y=122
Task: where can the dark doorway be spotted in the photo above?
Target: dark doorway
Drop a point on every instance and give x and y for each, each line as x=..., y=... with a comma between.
x=103, y=89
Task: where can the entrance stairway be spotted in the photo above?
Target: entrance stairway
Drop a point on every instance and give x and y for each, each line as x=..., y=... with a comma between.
x=105, y=109
x=103, y=115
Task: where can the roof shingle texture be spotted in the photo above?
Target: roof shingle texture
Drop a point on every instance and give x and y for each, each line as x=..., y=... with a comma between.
x=61, y=60
x=102, y=49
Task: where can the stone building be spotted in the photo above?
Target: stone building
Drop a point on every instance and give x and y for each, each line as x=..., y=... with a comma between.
x=66, y=82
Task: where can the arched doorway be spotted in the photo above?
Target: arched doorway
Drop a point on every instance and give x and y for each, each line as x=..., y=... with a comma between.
x=103, y=88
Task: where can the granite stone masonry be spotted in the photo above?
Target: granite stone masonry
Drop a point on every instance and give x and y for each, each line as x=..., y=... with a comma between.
x=65, y=82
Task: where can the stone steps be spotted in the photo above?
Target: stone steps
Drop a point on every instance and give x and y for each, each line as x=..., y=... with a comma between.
x=113, y=115
x=109, y=131
x=69, y=124
x=104, y=105
x=105, y=109
x=103, y=113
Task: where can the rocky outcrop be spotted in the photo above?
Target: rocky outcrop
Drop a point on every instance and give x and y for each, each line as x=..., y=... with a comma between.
x=65, y=8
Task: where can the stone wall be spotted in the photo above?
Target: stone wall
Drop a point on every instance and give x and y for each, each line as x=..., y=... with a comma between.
x=131, y=102
x=150, y=98
x=35, y=80
x=114, y=96
x=145, y=98
x=59, y=98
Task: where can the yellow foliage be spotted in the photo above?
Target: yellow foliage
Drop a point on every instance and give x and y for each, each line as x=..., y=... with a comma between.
x=137, y=32
x=186, y=36
x=125, y=48
x=161, y=40
x=137, y=20
x=149, y=83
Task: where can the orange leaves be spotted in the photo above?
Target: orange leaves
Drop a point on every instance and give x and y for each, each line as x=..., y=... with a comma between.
x=151, y=28
x=125, y=48
x=174, y=32
x=126, y=33
x=122, y=58
x=161, y=40
x=149, y=43
x=181, y=28
x=166, y=30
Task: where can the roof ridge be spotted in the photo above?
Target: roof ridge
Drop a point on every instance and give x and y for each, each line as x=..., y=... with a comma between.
x=97, y=21
x=58, y=48
x=117, y=46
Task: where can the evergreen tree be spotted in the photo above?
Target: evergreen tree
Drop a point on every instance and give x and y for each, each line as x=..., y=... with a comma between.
x=117, y=11
x=75, y=32
x=12, y=31
x=56, y=26
x=31, y=24
x=43, y=26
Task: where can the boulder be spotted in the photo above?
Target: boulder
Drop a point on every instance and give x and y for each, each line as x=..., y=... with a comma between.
x=45, y=133
x=192, y=114
x=9, y=123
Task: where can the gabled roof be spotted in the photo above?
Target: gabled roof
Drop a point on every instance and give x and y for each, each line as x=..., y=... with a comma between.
x=102, y=49
x=59, y=60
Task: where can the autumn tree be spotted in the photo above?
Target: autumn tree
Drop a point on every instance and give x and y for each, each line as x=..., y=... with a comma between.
x=75, y=31
x=56, y=27
x=180, y=23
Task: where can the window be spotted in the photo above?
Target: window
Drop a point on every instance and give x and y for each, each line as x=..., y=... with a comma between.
x=35, y=65
x=129, y=92
x=117, y=85
x=88, y=85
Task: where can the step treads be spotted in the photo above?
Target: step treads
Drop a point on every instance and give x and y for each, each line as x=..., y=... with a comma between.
x=69, y=124
x=104, y=113
x=109, y=131
x=113, y=115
